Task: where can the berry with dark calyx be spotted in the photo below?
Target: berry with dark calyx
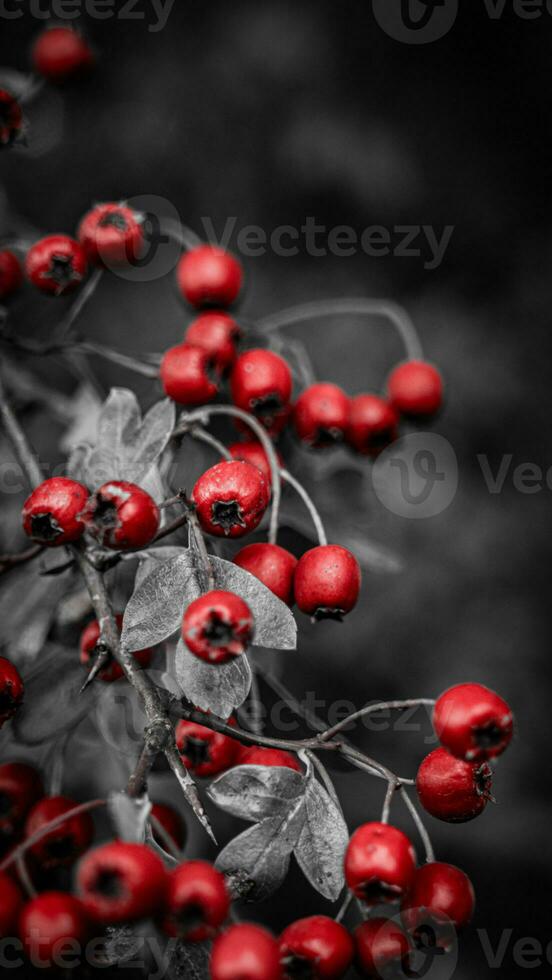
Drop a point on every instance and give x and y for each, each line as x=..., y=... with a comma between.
x=231, y=498
x=121, y=882
x=197, y=902
x=11, y=903
x=20, y=788
x=11, y=690
x=327, y=582
x=373, y=424
x=111, y=235
x=218, y=626
x=209, y=276
x=121, y=515
x=380, y=863
x=172, y=824
x=253, y=452
x=204, y=752
x=272, y=565
x=258, y=755
x=381, y=946
x=218, y=334
x=52, y=513
x=315, y=948
x=61, y=846
x=56, y=265
x=189, y=375
x=321, y=415
x=52, y=925
x=91, y=647
x=60, y=53
x=11, y=118
x=245, y=952
x=441, y=896
x=261, y=384
x=11, y=272
x=452, y=789
x=415, y=389
x=472, y=722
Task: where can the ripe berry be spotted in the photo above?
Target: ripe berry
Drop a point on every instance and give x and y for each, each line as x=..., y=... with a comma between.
x=121, y=881
x=373, y=424
x=59, y=53
x=253, y=452
x=56, y=265
x=472, y=722
x=171, y=822
x=218, y=626
x=247, y=952
x=52, y=515
x=11, y=690
x=197, y=902
x=61, y=846
x=381, y=946
x=11, y=273
x=258, y=755
x=231, y=498
x=218, y=334
x=189, y=376
x=272, y=565
x=204, y=752
x=11, y=118
x=50, y=925
x=92, y=647
x=379, y=863
x=111, y=235
x=11, y=903
x=261, y=384
x=209, y=276
x=20, y=788
x=441, y=894
x=316, y=947
x=121, y=515
x=452, y=789
x=321, y=414
x=327, y=582
x=415, y=389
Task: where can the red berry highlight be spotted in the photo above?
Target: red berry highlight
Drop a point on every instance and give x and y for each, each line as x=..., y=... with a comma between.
x=60, y=53
x=373, y=424
x=121, y=515
x=52, y=515
x=189, y=375
x=440, y=894
x=452, y=789
x=218, y=334
x=415, y=389
x=261, y=384
x=258, y=755
x=209, y=276
x=56, y=265
x=472, y=722
x=247, y=952
x=218, y=626
x=327, y=582
x=379, y=863
x=381, y=946
x=321, y=415
x=204, y=752
x=197, y=902
x=316, y=947
x=272, y=565
x=231, y=498
x=50, y=925
x=111, y=235
x=253, y=452
x=121, y=882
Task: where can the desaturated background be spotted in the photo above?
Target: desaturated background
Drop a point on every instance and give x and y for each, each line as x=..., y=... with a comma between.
x=272, y=112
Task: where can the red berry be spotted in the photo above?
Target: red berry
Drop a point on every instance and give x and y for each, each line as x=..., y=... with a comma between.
x=452, y=789
x=11, y=273
x=209, y=276
x=204, y=752
x=316, y=947
x=61, y=846
x=258, y=755
x=121, y=515
x=50, y=925
x=441, y=894
x=373, y=424
x=231, y=498
x=218, y=626
x=218, y=334
x=472, y=722
x=245, y=952
x=327, y=582
x=253, y=452
x=56, y=265
x=171, y=822
x=261, y=384
x=379, y=863
x=52, y=515
x=11, y=903
x=415, y=389
x=20, y=788
x=91, y=647
x=381, y=945
x=321, y=415
x=197, y=902
x=121, y=881
x=272, y=565
x=59, y=53
x=111, y=235
x=11, y=690
x=189, y=376
x=11, y=118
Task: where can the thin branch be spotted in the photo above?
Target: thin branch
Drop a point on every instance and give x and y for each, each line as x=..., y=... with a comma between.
x=166, y=839
x=19, y=440
x=21, y=849
x=309, y=503
x=349, y=897
x=428, y=847
x=25, y=877
x=392, y=788
x=201, y=435
x=7, y=562
x=83, y=296
x=370, y=709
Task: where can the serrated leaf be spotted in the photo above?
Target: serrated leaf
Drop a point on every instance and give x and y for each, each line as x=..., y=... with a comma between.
x=129, y=816
x=322, y=843
x=52, y=703
x=257, y=792
x=216, y=688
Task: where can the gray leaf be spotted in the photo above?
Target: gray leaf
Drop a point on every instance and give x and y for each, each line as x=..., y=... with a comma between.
x=122, y=943
x=168, y=860
x=129, y=816
x=215, y=688
x=256, y=792
x=53, y=704
x=322, y=843
x=152, y=557
x=28, y=605
x=188, y=961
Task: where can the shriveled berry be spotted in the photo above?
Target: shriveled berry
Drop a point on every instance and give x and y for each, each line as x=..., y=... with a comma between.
x=60, y=53
x=197, y=902
x=321, y=415
x=272, y=565
x=189, y=375
x=317, y=947
x=121, y=515
x=472, y=722
x=20, y=788
x=218, y=626
x=171, y=822
x=52, y=515
x=204, y=752
x=415, y=389
x=452, y=789
x=11, y=118
x=373, y=424
x=111, y=235
x=261, y=384
x=52, y=925
x=231, y=498
x=209, y=276
x=219, y=335
x=56, y=265
x=259, y=755
x=61, y=846
x=245, y=952
x=91, y=647
x=381, y=945
x=327, y=582
x=121, y=881
x=379, y=863
x=11, y=272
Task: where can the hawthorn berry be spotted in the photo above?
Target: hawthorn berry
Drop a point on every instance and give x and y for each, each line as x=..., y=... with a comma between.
x=316, y=947
x=50, y=922
x=209, y=276
x=189, y=375
x=272, y=565
x=321, y=415
x=20, y=788
x=327, y=582
x=111, y=235
x=247, y=952
x=415, y=389
x=121, y=515
x=52, y=515
x=253, y=452
x=56, y=265
x=11, y=690
x=373, y=424
x=472, y=722
x=452, y=789
x=61, y=846
x=11, y=903
x=261, y=384
x=218, y=334
x=171, y=822
x=60, y=53
x=231, y=498
x=381, y=946
x=11, y=118
x=380, y=863
x=218, y=626
x=197, y=902
x=91, y=647
x=204, y=752
x=441, y=894
x=258, y=755
x=11, y=273
x=121, y=881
